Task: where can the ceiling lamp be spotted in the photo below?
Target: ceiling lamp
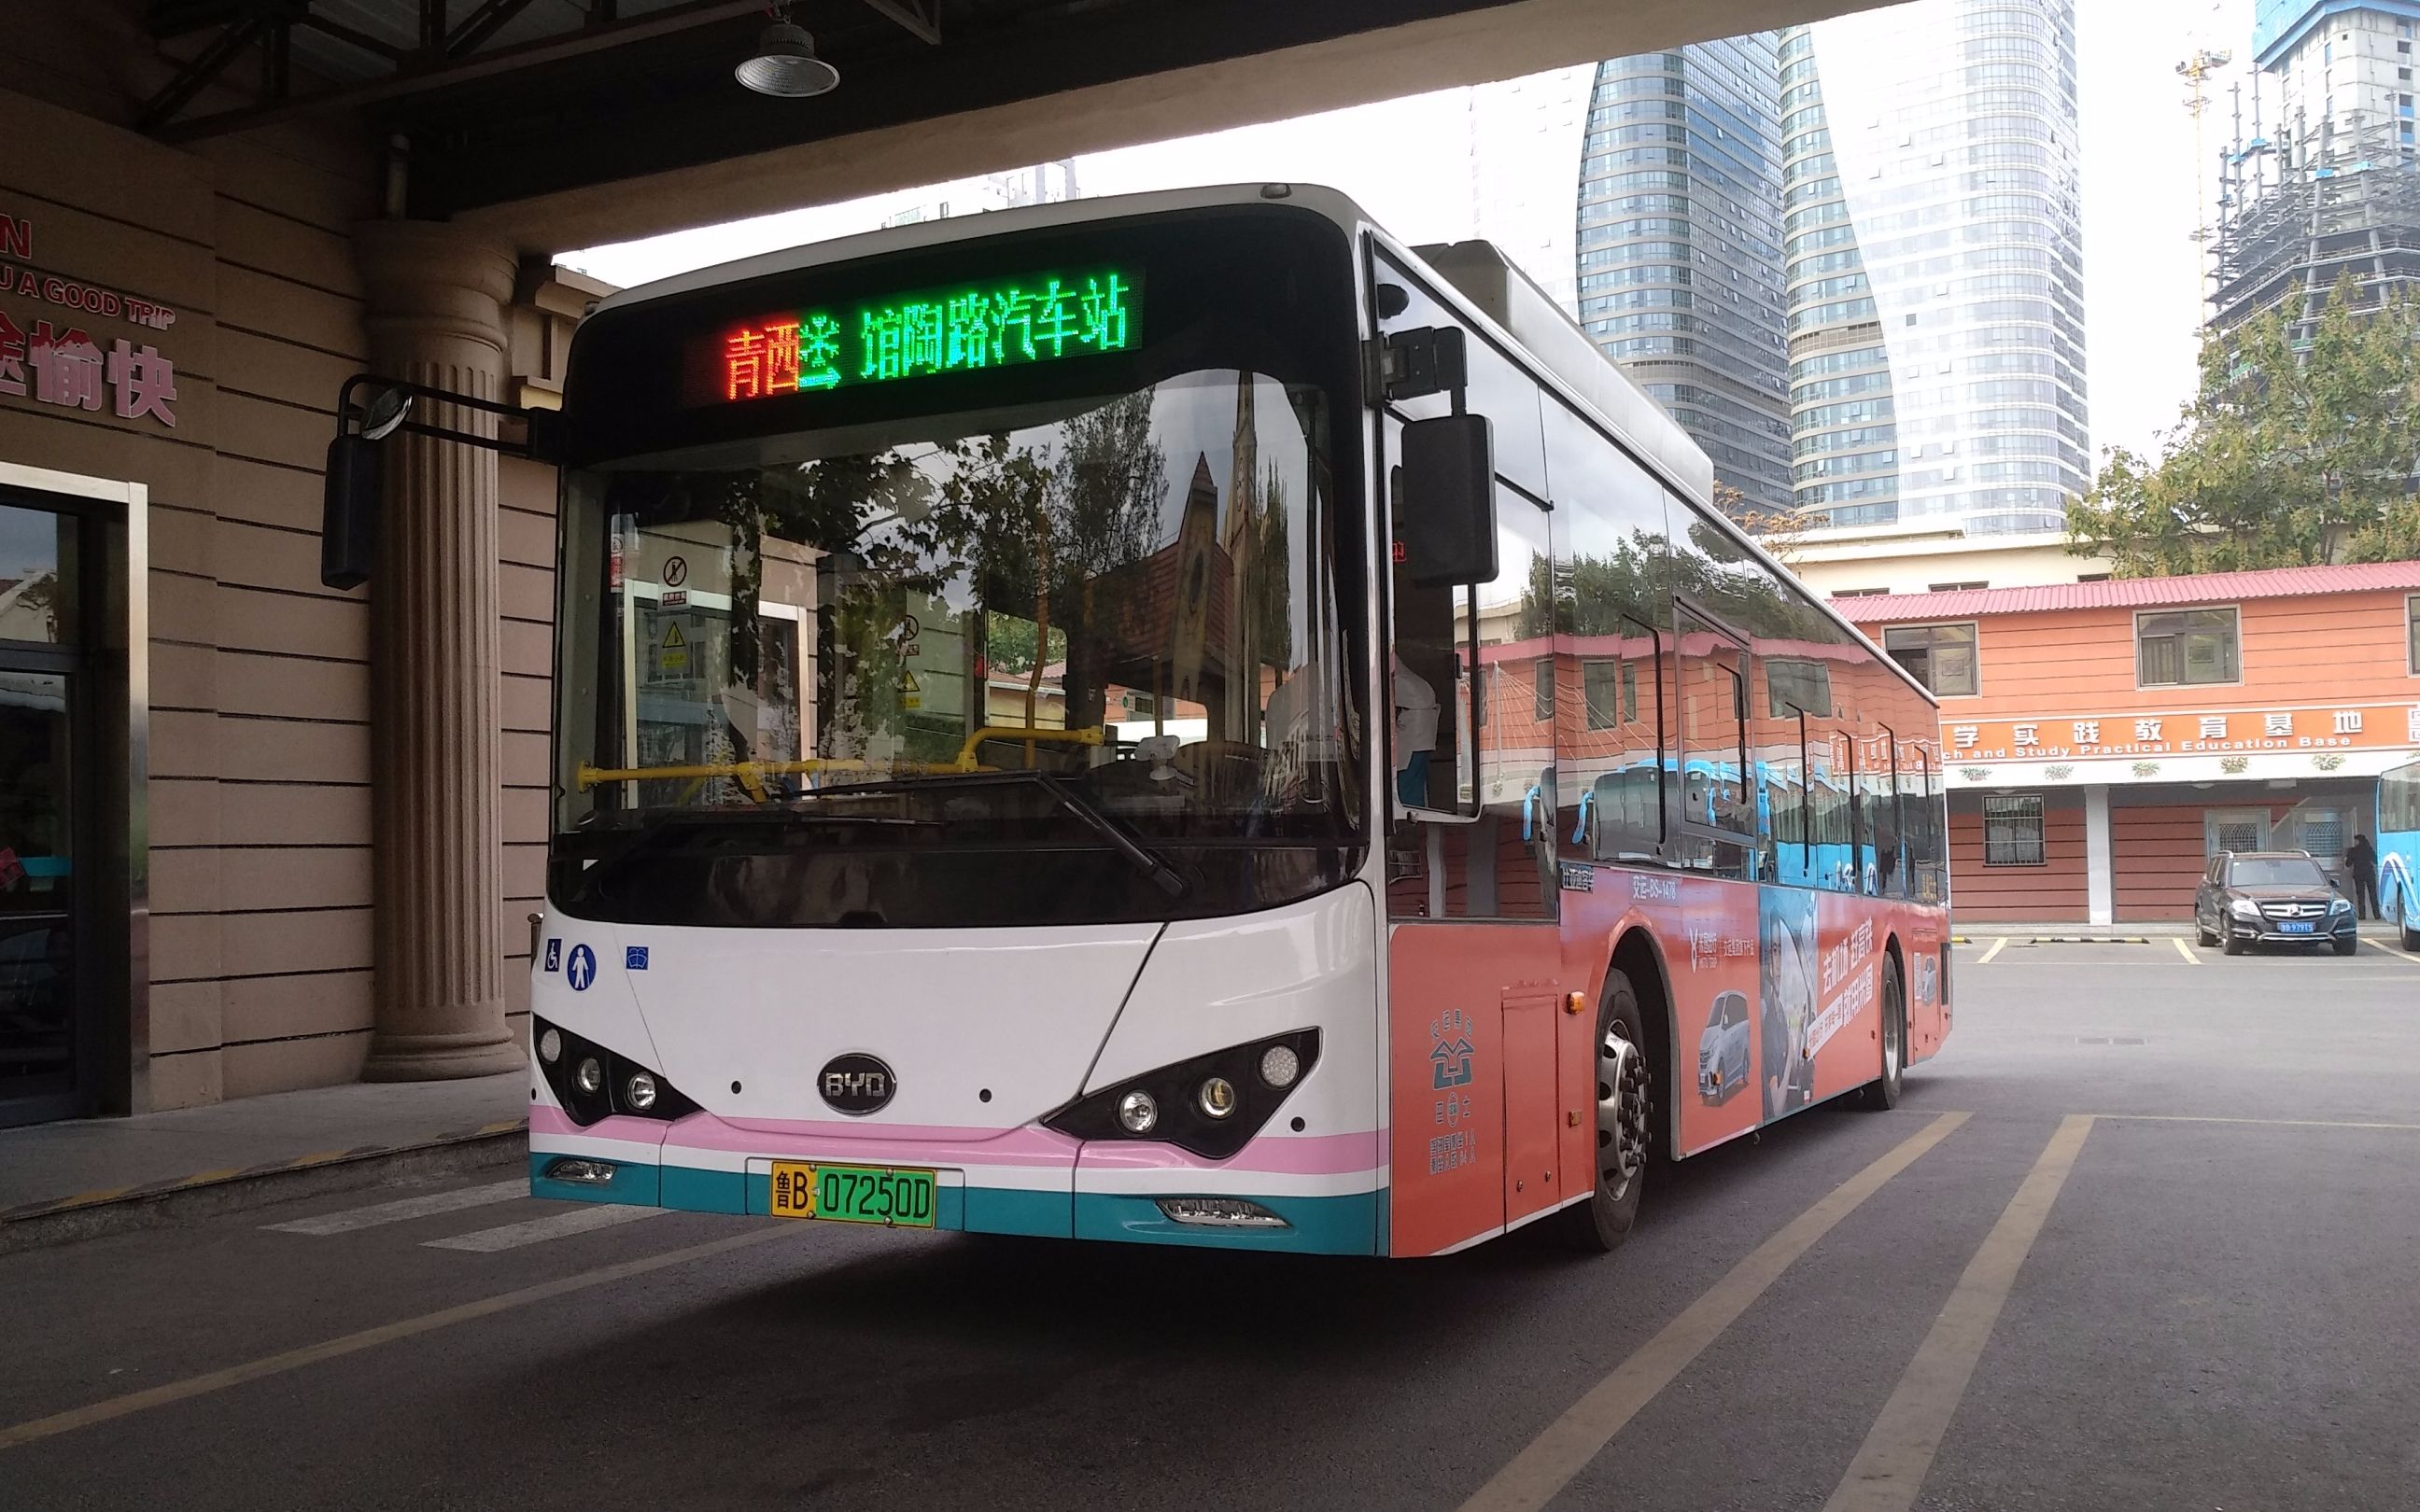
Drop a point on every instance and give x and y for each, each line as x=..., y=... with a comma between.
x=786, y=66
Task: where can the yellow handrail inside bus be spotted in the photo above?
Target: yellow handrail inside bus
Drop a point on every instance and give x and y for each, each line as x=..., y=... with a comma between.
x=1090, y=735
x=751, y=774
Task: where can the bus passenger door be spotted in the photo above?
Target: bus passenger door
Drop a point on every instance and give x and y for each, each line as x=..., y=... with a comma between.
x=1471, y=877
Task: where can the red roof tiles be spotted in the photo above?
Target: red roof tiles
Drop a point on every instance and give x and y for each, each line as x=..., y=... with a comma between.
x=2201, y=588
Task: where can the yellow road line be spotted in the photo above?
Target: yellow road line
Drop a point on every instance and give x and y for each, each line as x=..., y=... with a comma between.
x=2183, y=949
x=2278, y=1123
x=1898, y=1452
x=178, y=1391
x=2407, y=955
x=1540, y=1471
x=1997, y=946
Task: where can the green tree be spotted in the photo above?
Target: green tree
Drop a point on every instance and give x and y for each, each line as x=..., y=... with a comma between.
x=2289, y=455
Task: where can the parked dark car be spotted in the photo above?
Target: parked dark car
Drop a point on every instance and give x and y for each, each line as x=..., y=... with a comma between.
x=2272, y=898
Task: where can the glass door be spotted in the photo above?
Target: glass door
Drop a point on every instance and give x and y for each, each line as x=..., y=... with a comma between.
x=42, y=1033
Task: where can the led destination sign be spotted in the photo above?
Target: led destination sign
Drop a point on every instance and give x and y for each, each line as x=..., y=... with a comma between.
x=1044, y=318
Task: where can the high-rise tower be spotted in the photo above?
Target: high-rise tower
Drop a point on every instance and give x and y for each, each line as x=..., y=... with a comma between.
x=1933, y=233
x=1678, y=248
x=2327, y=182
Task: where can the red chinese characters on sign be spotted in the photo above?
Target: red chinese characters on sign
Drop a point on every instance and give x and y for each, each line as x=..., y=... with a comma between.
x=67, y=367
x=63, y=366
x=758, y=360
x=57, y=363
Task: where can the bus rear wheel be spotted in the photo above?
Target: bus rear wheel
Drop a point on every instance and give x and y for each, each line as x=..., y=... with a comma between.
x=1624, y=1124
x=1883, y=1090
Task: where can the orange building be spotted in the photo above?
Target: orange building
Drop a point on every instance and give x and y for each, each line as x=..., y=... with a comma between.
x=2102, y=740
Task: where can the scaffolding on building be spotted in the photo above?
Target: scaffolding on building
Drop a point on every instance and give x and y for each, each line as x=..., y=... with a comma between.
x=2295, y=221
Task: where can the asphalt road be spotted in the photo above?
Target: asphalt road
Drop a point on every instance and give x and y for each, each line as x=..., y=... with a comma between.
x=2201, y=1296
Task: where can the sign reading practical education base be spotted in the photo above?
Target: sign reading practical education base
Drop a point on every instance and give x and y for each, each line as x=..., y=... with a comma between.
x=1043, y=317
x=56, y=362
x=2216, y=732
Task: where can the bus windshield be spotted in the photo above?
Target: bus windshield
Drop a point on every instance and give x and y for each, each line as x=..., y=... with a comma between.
x=801, y=674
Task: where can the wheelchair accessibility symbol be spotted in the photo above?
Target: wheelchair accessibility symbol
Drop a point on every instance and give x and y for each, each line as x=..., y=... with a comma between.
x=582, y=969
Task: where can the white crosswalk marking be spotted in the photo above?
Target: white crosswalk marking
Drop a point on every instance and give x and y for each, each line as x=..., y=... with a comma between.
x=395, y=1212
x=579, y=1220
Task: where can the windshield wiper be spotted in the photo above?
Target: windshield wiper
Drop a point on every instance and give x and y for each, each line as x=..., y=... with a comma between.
x=1146, y=860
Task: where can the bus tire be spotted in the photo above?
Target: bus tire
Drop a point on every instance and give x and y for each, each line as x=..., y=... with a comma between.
x=1884, y=1091
x=1626, y=1087
x=2407, y=919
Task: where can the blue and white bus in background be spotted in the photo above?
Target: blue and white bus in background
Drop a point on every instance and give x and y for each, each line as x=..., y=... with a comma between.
x=2398, y=851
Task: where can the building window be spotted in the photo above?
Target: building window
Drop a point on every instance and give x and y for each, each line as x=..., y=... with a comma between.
x=1941, y=657
x=1610, y=690
x=1545, y=697
x=1955, y=587
x=1796, y=687
x=2411, y=626
x=2181, y=647
x=1860, y=593
x=2012, y=831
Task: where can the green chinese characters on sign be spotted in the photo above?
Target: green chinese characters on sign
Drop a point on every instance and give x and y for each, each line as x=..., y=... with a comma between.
x=1041, y=319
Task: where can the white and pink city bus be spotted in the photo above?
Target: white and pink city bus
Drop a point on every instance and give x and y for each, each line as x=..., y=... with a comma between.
x=1180, y=720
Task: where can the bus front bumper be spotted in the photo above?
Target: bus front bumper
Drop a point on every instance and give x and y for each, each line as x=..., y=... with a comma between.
x=1030, y=1182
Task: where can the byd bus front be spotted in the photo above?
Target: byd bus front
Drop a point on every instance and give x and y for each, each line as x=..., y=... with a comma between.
x=969, y=809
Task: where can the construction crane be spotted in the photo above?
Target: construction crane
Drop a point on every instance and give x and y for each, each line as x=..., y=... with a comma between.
x=2195, y=71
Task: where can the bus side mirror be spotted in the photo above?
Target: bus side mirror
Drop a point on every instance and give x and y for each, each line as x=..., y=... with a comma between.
x=348, y=511
x=1448, y=524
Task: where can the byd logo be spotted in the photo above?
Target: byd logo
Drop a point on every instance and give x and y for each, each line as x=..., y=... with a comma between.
x=856, y=1085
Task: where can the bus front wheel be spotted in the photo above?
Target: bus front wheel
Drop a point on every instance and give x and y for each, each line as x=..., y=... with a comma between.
x=1883, y=1090
x=1624, y=1124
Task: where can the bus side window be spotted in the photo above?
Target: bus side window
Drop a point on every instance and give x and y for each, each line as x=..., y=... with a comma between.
x=1612, y=619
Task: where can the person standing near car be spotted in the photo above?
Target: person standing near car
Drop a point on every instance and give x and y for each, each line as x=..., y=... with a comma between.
x=2362, y=861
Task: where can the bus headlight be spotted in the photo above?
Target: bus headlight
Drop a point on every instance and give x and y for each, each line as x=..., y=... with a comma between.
x=1138, y=1114
x=1210, y=1105
x=591, y=1082
x=1280, y=1066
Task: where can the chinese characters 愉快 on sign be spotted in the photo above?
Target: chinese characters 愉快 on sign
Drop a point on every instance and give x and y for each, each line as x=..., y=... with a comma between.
x=1034, y=320
x=71, y=371
x=57, y=363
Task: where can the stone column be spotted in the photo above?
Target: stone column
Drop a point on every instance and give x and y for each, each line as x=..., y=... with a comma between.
x=436, y=300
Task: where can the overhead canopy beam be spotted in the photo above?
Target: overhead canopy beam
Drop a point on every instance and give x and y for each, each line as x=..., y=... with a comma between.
x=484, y=22
x=415, y=78
x=921, y=17
x=1097, y=78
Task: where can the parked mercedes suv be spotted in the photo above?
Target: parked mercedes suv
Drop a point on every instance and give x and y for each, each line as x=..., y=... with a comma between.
x=2272, y=898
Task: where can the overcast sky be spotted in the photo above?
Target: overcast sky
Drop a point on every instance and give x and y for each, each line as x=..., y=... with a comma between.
x=2142, y=269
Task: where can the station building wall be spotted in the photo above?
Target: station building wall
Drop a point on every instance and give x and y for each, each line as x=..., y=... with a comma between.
x=259, y=797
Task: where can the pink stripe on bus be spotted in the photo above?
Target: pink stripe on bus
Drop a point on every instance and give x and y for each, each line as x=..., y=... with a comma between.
x=1342, y=1154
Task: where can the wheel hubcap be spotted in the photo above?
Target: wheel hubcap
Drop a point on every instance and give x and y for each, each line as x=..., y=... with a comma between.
x=1621, y=1112
x=1891, y=1014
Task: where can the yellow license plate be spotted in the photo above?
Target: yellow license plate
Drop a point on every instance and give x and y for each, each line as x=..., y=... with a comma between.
x=853, y=1194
